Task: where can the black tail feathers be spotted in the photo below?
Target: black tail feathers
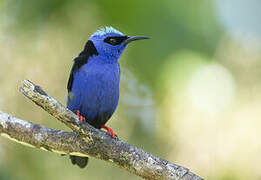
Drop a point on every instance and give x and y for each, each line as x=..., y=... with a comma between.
x=80, y=161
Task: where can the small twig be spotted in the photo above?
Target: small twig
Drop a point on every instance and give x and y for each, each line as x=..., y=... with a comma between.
x=89, y=142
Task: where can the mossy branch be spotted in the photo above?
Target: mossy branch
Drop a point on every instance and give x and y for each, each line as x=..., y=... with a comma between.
x=85, y=140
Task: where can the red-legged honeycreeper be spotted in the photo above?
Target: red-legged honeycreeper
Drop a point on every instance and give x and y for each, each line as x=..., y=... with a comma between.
x=93, y=86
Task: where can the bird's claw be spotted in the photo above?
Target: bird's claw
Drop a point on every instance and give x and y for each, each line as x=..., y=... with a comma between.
x=80, y=116
x=109, y=131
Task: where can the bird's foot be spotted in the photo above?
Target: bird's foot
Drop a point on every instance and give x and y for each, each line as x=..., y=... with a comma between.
x=80, y=116
x=109, y=131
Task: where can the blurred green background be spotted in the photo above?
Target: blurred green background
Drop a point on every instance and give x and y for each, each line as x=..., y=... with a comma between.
x=191, y=94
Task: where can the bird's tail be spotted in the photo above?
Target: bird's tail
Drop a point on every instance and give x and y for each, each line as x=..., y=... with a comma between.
x=80, y=161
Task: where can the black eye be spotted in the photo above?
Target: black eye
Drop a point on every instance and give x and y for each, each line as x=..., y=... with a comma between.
x=115, y=40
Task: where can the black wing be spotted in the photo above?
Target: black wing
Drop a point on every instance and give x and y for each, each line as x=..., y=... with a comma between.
x=79, y=61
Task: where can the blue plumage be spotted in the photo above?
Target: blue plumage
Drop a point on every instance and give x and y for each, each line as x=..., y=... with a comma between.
x=95, y=91
x=93, y=86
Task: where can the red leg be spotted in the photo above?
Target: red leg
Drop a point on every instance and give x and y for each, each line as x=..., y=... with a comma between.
x=80, y=116
x=109, y=131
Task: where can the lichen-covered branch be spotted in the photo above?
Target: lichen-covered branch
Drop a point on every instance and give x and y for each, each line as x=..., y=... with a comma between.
x=86, y=140
x=34, y=135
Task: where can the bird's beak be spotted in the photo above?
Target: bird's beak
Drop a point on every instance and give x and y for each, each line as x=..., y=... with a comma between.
x=134, y=38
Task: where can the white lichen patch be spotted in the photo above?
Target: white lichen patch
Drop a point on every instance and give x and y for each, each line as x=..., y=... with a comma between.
x=179, y=171
x=154, y=165
x=38, y=137
x=21, y=122
x=150, y=160
x=3, y=119
x=15, y=140
x=159, y=169
x=170, y=167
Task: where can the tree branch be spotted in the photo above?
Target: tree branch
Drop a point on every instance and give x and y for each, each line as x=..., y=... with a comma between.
x=34, y=135
x=85, y=140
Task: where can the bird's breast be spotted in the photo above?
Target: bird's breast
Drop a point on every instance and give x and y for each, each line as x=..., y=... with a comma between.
x=95, y=91
x=98, y=87
x=106, y=76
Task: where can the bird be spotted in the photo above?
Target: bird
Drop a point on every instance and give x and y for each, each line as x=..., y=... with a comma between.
x=93, y=85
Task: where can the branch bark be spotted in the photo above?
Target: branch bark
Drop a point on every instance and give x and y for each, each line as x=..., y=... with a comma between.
x=85, y=140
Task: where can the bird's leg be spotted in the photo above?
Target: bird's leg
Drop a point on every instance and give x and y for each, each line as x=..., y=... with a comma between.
x=109, y=131
x=80, y=116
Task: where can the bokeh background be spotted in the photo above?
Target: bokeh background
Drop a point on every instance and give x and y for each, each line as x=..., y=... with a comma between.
x=191, y=94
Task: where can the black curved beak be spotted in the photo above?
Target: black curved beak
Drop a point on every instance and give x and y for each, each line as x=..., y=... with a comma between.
x=134, y=38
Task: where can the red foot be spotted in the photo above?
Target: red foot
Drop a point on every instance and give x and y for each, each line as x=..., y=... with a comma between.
x=109, y=131
x=80, y=116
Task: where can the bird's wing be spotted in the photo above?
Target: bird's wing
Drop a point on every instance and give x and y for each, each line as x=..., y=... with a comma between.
x=71, y=78
x=89, y=50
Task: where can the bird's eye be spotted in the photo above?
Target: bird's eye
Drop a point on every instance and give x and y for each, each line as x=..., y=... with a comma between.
x=113, y=41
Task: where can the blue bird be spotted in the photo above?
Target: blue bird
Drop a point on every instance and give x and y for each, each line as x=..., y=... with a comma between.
x=93, y=86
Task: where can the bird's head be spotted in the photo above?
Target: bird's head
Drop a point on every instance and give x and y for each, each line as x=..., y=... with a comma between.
x=111, y=43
